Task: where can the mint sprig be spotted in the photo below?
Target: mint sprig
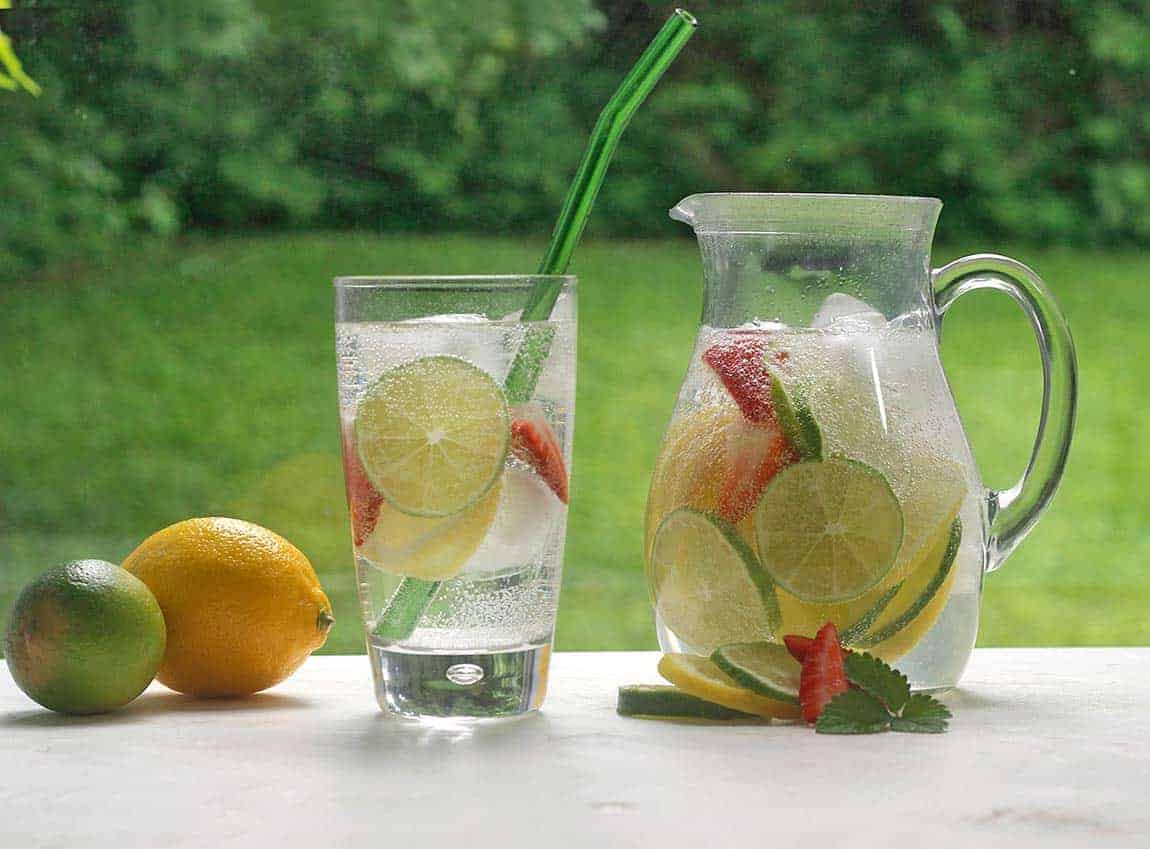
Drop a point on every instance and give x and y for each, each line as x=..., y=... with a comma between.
x=876, y=677
x=853, y=712
x=922, y=714
x=879, y=699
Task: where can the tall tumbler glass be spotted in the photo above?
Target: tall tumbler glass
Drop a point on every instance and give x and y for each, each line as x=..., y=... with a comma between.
x=457, y=495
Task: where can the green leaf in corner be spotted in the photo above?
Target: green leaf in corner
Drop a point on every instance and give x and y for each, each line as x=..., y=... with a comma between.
x=922, y=714
x=853, y=712
x=877, y=678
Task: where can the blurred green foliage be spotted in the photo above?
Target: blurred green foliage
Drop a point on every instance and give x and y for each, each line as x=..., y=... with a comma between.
x=1028, y=116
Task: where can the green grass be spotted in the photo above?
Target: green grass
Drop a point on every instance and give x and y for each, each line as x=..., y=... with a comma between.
x=199, y=379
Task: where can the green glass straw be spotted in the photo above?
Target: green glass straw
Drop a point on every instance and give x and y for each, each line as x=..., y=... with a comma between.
x=412, y=596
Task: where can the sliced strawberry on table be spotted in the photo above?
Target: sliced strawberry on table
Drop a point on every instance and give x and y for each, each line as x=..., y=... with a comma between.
x=757, y=453
x=363, y=500
x=798, y=645
x=823, y=676
x=534, y=442
x=739, y=359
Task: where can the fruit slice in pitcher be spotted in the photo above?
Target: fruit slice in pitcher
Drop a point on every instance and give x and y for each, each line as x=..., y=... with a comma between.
x=739, y=361
x=797, y=422
x=756, y=453
x=432, y=435
x=693, y=466
x=828, y=530
x=897, y=632
x=709, y=587
x=932, y=493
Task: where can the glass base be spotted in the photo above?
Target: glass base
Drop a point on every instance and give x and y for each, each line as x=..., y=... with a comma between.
x=477, y=685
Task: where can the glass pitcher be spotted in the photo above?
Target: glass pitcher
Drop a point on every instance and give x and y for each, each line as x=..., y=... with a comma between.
x=815, y=468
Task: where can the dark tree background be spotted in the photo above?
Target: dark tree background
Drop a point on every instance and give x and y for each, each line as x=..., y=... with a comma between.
x=1028, y=116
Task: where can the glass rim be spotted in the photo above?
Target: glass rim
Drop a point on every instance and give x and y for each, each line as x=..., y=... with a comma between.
x=447, y=281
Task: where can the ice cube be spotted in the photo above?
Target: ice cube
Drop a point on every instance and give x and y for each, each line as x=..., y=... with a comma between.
x=468, y=335
x=841, y=311
x=527, y=513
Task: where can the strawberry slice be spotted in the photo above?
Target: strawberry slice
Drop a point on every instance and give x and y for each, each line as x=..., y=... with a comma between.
x=534, y=442
x=363, y=501
x=823, y=676
x=798, y=645
x=758, y=453
x=740, y=362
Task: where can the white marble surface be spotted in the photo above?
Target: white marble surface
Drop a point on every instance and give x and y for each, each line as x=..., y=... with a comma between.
x=1049, y=748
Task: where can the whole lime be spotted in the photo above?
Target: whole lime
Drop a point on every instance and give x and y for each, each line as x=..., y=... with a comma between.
x=85, y=637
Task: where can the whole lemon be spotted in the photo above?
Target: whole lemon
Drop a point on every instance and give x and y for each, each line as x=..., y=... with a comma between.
x=243, y=606
x=85, y=637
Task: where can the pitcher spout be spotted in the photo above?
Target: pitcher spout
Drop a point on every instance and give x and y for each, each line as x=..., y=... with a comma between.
x=687, y=209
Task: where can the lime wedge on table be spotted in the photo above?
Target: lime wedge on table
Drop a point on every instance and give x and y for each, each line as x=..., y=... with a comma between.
x=663, y=702
x=709, y=588
x=764, y=668
x=432, y=435
x=701, y=677
x=828, y=530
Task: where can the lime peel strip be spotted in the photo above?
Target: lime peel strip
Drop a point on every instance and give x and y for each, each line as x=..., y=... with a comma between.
x=924, y=598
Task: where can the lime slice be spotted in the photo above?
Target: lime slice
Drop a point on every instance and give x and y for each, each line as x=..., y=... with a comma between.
x=931, y=494
x=702, y=678
x=764, y=668
x=884, y=634
x=709, y=588
x=671, y=703
x=828, y=530
x=432, y=435
x=857, y=629
x=798, y=422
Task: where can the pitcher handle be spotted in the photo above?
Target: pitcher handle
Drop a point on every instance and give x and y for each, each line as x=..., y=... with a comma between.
x=1013, y=512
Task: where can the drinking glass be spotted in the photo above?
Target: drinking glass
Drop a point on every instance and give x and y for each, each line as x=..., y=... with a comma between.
x=457, y=484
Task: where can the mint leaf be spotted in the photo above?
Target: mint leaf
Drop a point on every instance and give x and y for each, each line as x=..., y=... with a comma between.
x=877, y=678
x=922, y=714
x=853, y=712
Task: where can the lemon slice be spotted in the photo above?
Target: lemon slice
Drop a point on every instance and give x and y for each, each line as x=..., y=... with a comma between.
x=897, y=633
x=709, y=588
x=764, y=668
x=693, y=464
x=828, y=530
x=432, y=435
x=429, y=548
x=702, y=678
